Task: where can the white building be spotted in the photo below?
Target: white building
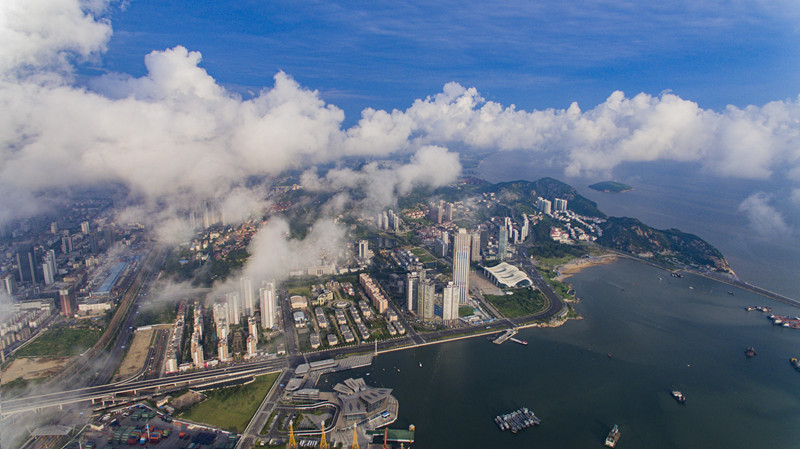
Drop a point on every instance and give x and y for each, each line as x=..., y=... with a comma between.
x=461, y=247
x=246, y=295
x=450, y=300
x=234, y=308
x=268, y=306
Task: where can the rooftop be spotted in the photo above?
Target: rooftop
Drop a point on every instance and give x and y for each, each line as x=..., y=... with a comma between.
x=508, y=275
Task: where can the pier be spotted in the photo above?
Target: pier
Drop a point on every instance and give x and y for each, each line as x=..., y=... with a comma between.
x=516, y=340
x=508, y=334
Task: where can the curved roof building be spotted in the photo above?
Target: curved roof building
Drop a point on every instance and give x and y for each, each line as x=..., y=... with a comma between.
x=507, y=275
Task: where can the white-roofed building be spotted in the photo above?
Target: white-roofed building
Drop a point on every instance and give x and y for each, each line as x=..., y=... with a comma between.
x=507, y=275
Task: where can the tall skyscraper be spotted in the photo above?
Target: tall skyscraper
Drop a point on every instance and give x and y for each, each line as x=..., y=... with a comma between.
x=54, y=228
x=450, y=301
x=66, y=244
x=246, y=295
x=412, y=290
x=560, y=204
x=461, y=246
x=32, y=266
x=363, y=250
x=425, y=299
x=252, y=327
x=234, y=308
x=69, y=301
x=484, y=237
x=9, y=284
x=475, y=250
x=85, y=227
x=50, y=258
x=267, y=297
x=49, y=276
x=437, y=212
x=502, y=243
x=526, y=226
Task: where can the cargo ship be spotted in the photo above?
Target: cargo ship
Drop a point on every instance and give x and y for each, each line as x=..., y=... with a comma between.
x=517, y=420
x=613, y=437
x=679, y=396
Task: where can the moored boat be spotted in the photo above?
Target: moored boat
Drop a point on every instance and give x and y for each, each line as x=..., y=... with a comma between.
x=613, y=437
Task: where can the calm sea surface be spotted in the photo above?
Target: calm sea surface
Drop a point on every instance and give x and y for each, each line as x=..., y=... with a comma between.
x=661, y=334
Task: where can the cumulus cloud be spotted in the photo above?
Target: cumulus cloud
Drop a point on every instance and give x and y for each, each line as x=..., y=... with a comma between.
x=176, y=137
x=764, y=219
x=753, y=142
x=430, y=166
x=48, y=33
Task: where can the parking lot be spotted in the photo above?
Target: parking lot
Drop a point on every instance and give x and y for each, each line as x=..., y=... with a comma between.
x=142, y=425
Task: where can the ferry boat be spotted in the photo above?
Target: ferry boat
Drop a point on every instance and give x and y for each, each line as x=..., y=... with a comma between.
x=750, y=351
x=613, y=437
x=679, y=396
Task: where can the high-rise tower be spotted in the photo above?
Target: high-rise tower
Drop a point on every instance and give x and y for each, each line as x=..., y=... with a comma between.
x=268, y=306
x=246, y=295
x=450, y=299
x=461, y=249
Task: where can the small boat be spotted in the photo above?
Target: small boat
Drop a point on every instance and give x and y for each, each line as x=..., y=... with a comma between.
x=610, y=356
x=795, y=363
x=613, y=437
x=750, y=351
x=420, y=364
x=679, y=396
x=730, y=292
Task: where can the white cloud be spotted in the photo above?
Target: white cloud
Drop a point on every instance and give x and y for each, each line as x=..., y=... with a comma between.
x=274, y=254
x=175, y=136
x=48, y=33
x=764, y=219
x=430, y=166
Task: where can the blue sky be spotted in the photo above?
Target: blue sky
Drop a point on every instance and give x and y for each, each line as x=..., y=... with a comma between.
x=535, y=54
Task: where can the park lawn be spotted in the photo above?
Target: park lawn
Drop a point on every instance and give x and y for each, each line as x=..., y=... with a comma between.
x=465, y=311
x=62, y=342
x=231, y=408
x=522, y=302
x=423, y=254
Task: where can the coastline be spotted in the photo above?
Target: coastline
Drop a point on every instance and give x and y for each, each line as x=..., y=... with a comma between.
x=574, y=266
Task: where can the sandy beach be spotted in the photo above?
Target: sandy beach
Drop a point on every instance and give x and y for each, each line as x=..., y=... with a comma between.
x=576, y=265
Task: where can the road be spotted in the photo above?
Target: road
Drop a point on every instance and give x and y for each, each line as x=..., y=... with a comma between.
x=100, y=362
x=129, y=388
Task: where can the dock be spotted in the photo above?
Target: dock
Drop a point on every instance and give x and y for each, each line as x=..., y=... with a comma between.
x=516, y=340
x=508, y=334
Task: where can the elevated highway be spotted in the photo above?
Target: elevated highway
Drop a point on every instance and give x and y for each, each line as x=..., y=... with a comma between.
x=129, y=390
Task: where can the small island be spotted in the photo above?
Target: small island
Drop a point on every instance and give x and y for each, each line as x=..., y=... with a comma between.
x=611, y=187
